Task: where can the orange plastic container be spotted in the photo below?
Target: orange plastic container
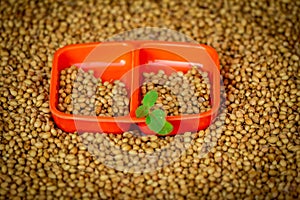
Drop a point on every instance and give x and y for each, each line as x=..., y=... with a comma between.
x=126, y=61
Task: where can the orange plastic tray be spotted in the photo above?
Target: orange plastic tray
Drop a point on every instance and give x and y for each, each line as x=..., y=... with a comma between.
x=126, y=61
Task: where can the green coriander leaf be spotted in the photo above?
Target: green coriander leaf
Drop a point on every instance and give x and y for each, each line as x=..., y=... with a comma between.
x=150, y=98
x=148, y=120
x=156, y=120
x=142, y=111
x=166, y=129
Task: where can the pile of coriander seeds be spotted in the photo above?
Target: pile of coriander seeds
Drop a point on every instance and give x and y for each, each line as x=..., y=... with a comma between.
x=81, y=93
x=179, y=93
x=251, y=151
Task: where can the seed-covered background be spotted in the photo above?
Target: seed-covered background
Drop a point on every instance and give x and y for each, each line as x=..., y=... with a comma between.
x=257, y=151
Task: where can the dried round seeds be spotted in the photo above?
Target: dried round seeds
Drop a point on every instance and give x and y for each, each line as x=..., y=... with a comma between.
x=82, y=94
x=179, y=93
x=258, y=46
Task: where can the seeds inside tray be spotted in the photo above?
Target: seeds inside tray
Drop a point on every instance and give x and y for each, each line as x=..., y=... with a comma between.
x=179, y=93
x=82, y=93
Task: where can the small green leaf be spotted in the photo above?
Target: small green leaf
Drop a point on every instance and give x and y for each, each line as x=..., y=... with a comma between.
x=156, y=120
x=142, y=111
x=148, y=120
x=150, y=98
x=167, y=128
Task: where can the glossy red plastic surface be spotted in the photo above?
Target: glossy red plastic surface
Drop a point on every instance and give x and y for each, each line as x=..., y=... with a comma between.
x=126, y=61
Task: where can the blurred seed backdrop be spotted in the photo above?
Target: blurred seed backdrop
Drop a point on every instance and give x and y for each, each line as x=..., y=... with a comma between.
x=257, y=145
